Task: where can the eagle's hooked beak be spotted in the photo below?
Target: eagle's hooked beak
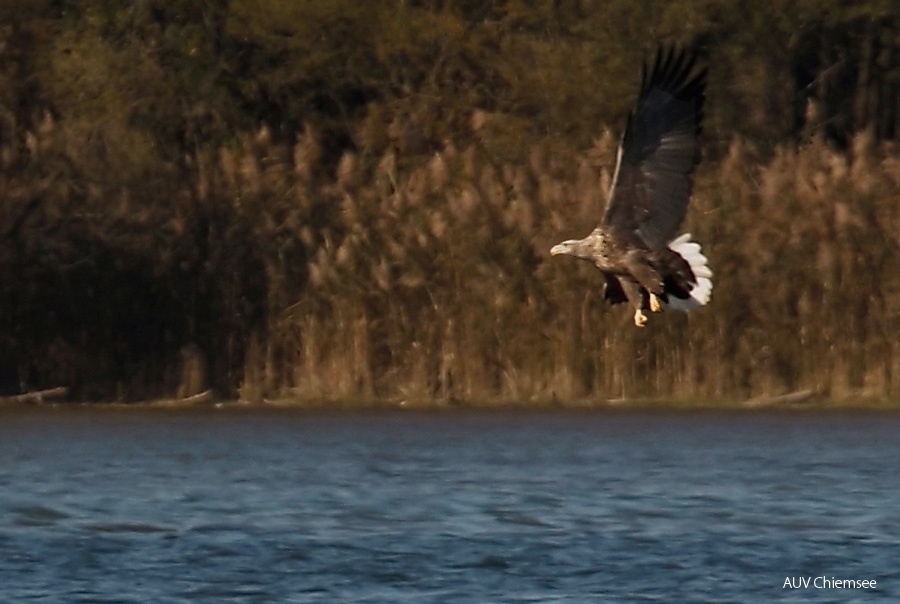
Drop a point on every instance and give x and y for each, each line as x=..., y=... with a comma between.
x=560, y=248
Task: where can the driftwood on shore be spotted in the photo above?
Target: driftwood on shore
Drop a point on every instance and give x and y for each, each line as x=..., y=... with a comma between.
x=200, y=398
x=789, y=399
x=36, y=397
x=60, y=394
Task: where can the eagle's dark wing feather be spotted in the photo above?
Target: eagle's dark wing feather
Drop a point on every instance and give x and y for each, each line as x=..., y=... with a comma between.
x=658, y=153
x=612, y=290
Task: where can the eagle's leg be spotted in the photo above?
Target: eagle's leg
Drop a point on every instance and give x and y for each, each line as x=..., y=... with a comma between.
x=635, y=294
x=647, y=280
x=640, y=319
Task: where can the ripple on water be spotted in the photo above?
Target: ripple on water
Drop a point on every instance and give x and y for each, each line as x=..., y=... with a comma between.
x=37, y=515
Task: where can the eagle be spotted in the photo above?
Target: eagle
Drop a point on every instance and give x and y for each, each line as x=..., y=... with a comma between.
x=635, y=245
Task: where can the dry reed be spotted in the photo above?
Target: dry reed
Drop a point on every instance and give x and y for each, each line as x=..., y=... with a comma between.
x=427, y=279
x=435, y=284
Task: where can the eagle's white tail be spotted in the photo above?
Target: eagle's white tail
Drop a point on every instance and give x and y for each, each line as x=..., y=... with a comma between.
x=690, y=251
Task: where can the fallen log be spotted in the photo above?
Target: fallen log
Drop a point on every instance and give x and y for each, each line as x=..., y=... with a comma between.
x=36, y=397
x=791, y=398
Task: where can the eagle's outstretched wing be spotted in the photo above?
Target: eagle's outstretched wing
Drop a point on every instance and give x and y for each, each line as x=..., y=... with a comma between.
x=658, y=153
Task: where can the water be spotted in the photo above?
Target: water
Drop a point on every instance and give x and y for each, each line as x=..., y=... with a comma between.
x=225, y=506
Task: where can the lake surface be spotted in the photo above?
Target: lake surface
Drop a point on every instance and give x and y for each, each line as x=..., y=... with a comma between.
x=227, y=506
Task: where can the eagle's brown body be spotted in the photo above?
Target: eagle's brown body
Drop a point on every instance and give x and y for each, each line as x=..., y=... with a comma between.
x=635, y=244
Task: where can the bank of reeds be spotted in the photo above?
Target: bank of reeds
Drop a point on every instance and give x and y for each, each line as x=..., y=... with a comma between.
x=433, y=282
x=263, y=272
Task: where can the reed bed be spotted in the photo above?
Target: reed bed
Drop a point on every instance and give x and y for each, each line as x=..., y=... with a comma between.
x=431, y=281
x=266, y=271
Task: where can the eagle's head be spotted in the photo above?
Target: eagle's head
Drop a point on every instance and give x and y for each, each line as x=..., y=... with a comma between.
x=562, y=248
x=572, y=247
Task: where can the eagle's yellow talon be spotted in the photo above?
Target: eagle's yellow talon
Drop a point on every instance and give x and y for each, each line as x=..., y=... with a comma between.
x=640, y=319
x=655, y=304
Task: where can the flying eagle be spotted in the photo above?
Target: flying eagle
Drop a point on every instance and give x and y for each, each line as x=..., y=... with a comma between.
x=635, y=244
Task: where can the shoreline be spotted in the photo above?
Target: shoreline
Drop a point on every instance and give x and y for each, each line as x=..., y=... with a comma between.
x=798, y=401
